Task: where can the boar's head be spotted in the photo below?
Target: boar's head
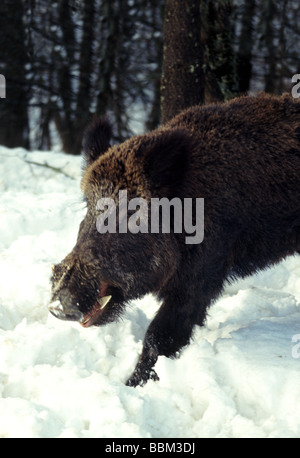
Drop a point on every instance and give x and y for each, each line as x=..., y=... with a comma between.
x=106, y=270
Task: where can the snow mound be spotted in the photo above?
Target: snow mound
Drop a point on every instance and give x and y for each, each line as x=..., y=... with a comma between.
x=239, y=377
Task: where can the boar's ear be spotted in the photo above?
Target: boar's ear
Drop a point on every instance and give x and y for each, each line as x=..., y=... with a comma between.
x=96, y=140
x=167, y=159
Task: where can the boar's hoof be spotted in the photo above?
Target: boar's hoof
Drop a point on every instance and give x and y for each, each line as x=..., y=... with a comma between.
x=140, y=377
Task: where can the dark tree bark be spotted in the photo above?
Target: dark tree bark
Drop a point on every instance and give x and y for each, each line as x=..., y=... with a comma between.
x=270, y=75
x=14, y=123
x=283, y=50
x=112, y=66
x=82, y=114
x=155, y=40
x=219, y=57
x=244, y=55
x=63, y=117
x=182, y=79
x=75, y=115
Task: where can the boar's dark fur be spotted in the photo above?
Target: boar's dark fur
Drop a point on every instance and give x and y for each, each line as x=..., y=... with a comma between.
x=243, y=158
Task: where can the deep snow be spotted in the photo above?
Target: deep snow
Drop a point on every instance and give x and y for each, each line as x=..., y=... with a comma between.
x=238, y=378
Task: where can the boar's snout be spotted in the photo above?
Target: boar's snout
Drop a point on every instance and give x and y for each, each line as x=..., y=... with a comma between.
x=63, y=307
x=79, y=294
x=62, y=304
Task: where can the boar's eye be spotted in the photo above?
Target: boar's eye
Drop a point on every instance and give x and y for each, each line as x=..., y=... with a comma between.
x=96, y=140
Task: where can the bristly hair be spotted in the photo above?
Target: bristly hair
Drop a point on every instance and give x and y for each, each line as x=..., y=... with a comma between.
x=96, y=139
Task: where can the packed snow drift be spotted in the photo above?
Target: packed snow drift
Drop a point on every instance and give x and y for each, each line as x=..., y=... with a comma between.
x=239, y=377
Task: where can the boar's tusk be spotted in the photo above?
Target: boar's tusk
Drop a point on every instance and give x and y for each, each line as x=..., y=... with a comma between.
x=104, y=301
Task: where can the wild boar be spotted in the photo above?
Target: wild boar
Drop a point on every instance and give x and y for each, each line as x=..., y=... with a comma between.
x=242, y=157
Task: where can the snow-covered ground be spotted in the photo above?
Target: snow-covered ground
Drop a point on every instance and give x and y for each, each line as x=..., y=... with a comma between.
x=238, y=378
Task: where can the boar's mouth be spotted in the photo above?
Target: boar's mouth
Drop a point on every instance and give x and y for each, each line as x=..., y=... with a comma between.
x=95, y=313
x=106, y=308
x=98, y=313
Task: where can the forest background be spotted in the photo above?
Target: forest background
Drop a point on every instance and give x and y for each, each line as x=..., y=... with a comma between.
x=137, y=61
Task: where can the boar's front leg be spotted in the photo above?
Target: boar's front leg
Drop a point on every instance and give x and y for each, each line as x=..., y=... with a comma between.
x=170, y=330
x=144, y=368
x=172, y=327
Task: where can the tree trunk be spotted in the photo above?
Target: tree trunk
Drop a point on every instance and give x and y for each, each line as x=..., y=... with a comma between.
x=282, y=47
x=14, y=124
x=156, y=40
x=82, y=114
x=182, y=77
x=270, y=76
x=219, y=56
x=107, y=56
x=244, y=57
